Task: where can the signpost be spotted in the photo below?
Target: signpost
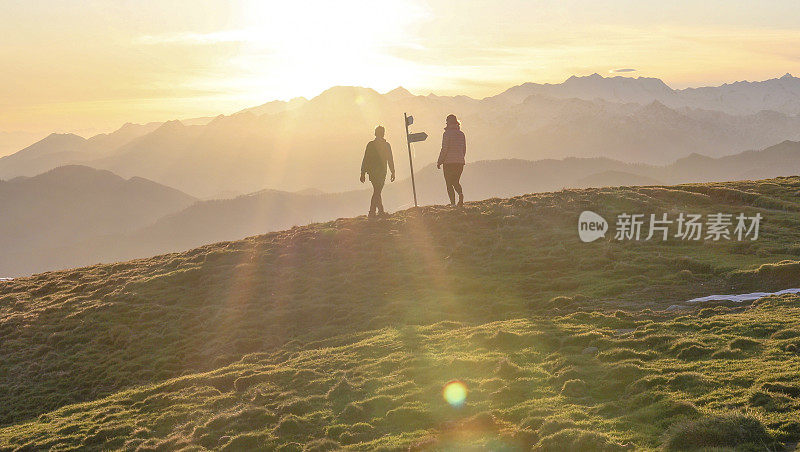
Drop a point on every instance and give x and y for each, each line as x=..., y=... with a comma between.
x=412, y=138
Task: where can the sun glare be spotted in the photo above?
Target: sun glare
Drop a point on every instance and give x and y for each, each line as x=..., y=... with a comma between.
x=306, y=47
x=455, y=393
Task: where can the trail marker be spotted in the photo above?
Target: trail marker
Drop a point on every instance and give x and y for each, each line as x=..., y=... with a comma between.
x=412, y=138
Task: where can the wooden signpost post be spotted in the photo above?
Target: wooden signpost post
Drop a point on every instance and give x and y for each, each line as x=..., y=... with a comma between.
x=412, y=138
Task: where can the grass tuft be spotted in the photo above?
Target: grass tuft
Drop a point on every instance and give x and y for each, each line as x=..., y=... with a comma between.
x=734, y=430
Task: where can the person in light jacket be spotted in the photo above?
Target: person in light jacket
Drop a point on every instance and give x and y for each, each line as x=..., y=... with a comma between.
x=454, y=148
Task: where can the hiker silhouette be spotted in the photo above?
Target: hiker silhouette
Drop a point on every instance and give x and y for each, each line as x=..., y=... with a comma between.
x=454, y=148
x=377, y=157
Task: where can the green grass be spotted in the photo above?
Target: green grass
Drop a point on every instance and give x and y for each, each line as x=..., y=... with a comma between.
x=529, y=382
x=342, y=334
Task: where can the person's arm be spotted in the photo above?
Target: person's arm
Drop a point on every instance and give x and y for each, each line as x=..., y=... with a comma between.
x=465, y=144
x=443, y=152
x=390, y=159
x=364, y=164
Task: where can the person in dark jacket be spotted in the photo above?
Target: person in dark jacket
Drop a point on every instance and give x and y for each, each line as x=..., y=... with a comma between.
x=454, y=148
x=377, y=157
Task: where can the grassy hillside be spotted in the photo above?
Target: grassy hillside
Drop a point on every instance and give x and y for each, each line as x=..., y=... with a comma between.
x=343, y=334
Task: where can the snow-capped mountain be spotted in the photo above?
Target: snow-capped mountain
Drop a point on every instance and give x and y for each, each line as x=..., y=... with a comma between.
x=739, y=98
x=639, y=90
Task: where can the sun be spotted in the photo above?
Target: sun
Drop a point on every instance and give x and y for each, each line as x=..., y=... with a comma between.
x=306, y=47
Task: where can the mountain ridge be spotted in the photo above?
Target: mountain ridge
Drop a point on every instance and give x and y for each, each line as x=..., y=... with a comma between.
x=749, y=97
x=311, y=143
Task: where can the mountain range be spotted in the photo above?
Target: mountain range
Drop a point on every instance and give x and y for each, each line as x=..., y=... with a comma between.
x=76, y=215
x=318, y=143
x=740, y=98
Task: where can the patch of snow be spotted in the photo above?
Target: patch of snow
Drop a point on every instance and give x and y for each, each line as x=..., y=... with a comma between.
x=742, y=297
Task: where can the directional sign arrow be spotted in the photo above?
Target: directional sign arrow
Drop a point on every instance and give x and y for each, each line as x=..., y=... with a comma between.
x=419, y=136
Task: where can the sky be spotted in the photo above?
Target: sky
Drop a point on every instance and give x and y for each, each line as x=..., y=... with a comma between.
x=87, y=66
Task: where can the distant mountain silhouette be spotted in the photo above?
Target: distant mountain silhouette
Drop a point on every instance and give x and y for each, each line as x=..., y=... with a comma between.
x=614, y=178
x=641, y=90
x=740, y=98
x=52, y=144
x=62, y=149
x=96, y=218
x=277, y=106
x=51, y=151
x=317, y=143
x=107, y=142
x=13, y=141
x=54, y=211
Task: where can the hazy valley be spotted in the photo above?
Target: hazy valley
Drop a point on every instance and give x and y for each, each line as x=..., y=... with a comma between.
x=75, y=215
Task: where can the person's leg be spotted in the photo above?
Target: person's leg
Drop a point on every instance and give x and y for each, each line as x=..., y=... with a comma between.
x=457, y=183
x=448, y=180
x=377, y=187
x=373, y=202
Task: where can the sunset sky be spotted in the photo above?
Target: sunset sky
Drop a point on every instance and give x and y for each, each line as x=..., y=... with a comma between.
x=86, y=65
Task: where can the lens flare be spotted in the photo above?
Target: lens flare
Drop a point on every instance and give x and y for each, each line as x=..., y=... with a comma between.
x=455, y=393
